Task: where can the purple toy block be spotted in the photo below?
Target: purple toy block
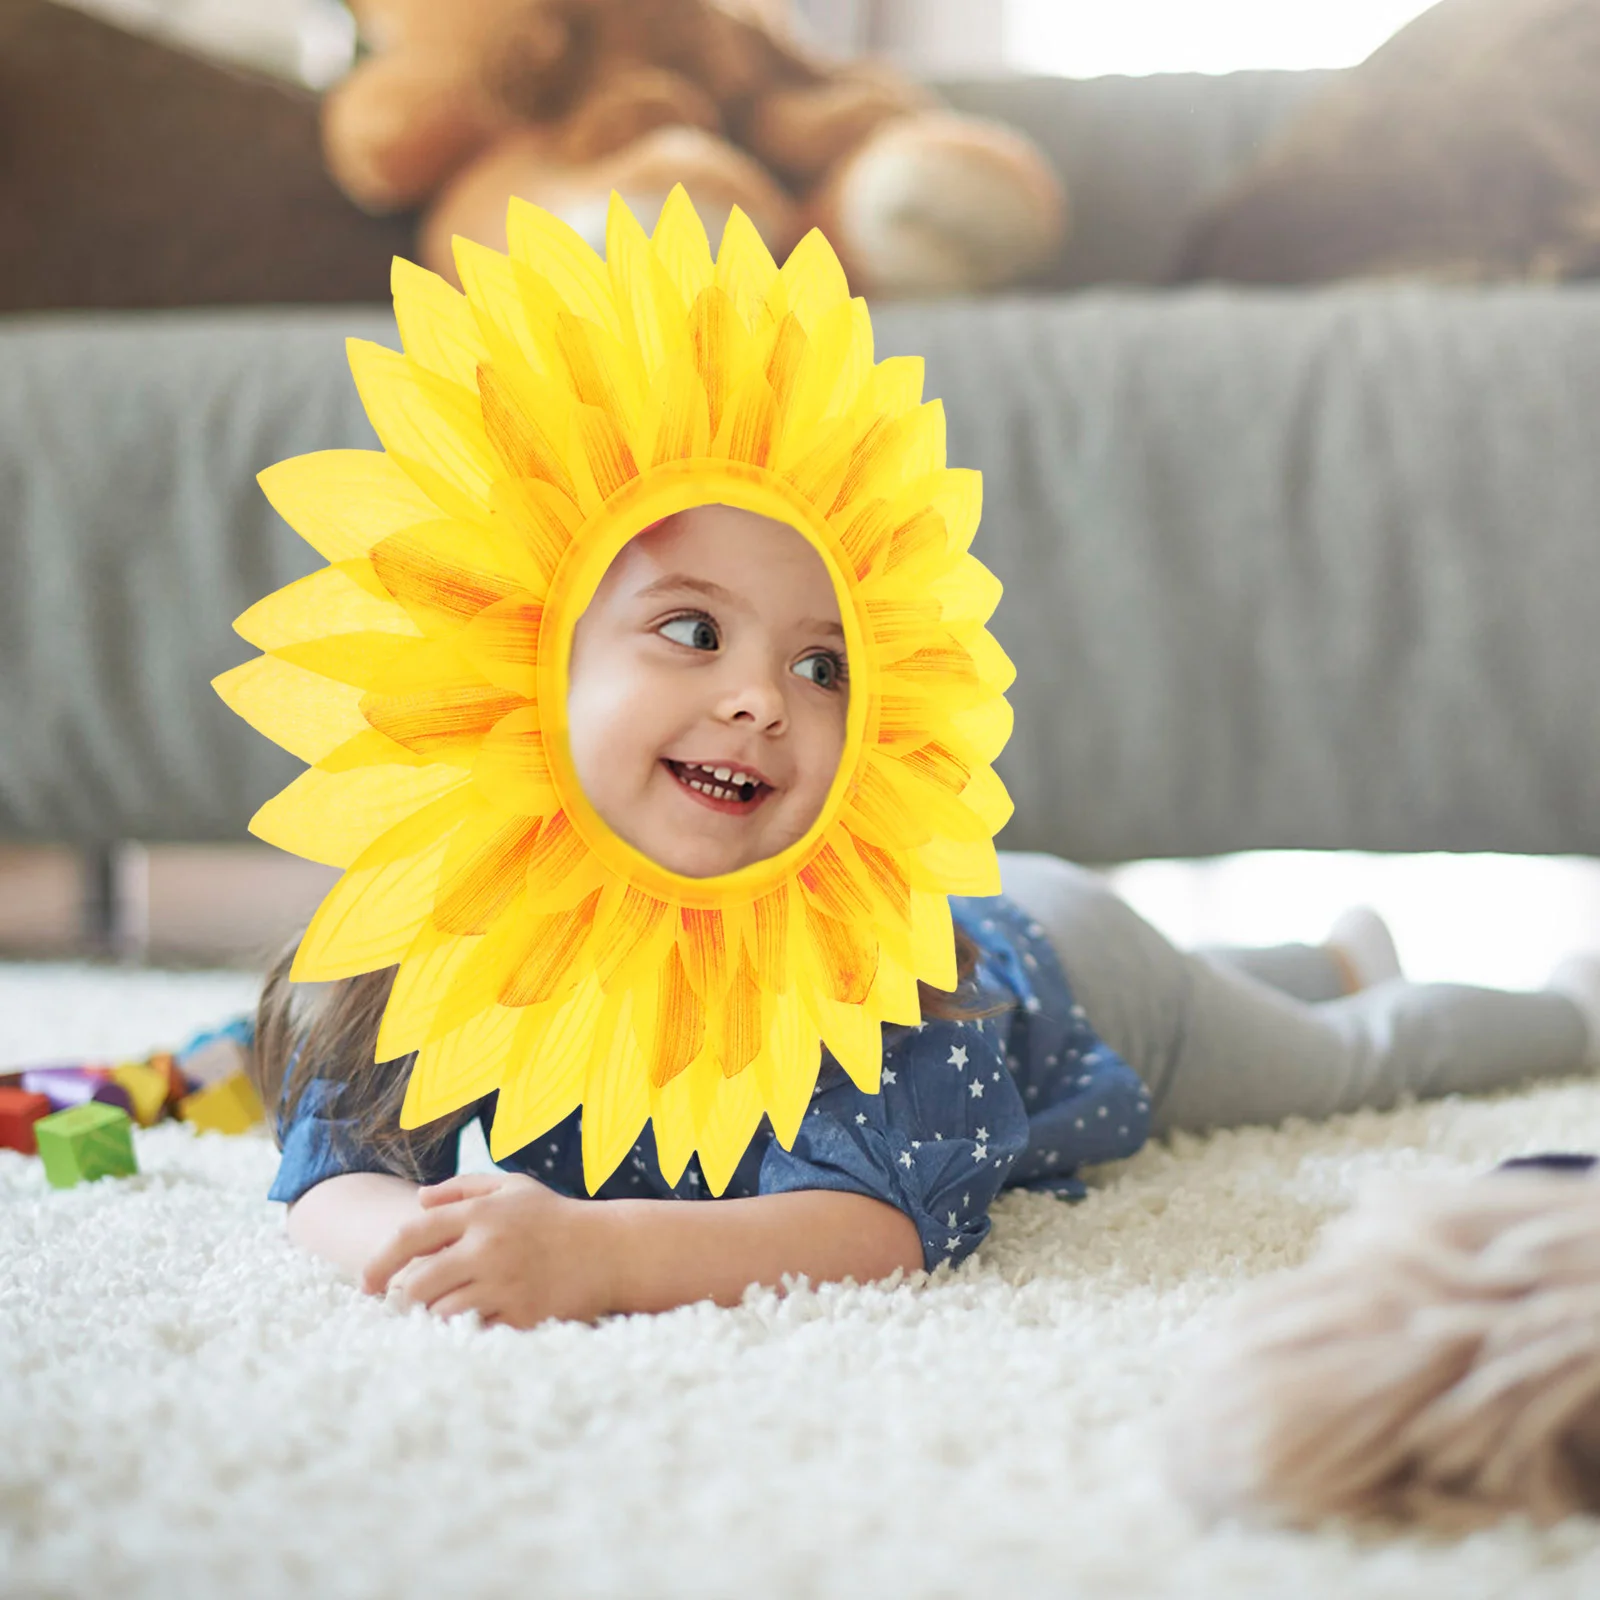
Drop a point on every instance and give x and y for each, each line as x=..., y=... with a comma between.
x=65, y=1087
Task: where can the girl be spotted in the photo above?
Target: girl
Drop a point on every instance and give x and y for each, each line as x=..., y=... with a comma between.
x=707, y=701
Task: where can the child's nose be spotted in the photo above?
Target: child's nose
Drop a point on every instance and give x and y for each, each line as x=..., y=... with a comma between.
x=755, y=697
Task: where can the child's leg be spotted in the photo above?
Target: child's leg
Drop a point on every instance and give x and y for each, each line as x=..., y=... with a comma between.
x=1358, y=953
x=1219, y=1049
x=1308, y=972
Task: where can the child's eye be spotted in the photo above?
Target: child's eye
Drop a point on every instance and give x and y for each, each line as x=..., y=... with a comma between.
x=824, y=669
x=697, y=632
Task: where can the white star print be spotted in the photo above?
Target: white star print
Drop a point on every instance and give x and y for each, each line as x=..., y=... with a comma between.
x=949, y=1219
x=966, y=1199
x=1031, y=1003
x=916, y=1144
x=981, y=1153
x=975, y=1089
x=861, y=1117
x=983, y=1135
x=996, y=1078
x=905, y=1159
x=888, y=1075
x=950, y=1244
x=958, y=1055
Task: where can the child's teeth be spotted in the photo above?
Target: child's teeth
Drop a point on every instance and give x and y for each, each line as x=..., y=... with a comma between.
x=722, y=774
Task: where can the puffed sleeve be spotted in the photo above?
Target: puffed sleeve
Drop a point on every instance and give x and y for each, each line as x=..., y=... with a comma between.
x=318, y=1143
x=938, y=1141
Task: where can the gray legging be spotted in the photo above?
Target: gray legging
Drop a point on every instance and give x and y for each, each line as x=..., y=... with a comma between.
x=1224, y=1038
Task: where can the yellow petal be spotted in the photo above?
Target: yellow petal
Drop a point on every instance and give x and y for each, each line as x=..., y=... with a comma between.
x=966, y=595
x=651, y=309
x=790, y=1065
x=683, y=426
x=483, y=872
x=854, y=1038
x=525, y=420
x=460, y=1068
x=437, y=326
x=616, y=1094
x=362, y=659
x=602, y=460
x=543, y=519
x=957, y=866
x=553, y=961
x=443, y=573
x=557, y=253
x=813, y=280
x=424, y=421
x=426, y=973
x=333, y=817
x=328, y=601
x=371, y=916
x=511, y=768
x=933, y=938
x=745, y=272
x=342, y=502
x=734, y=1116
x=309, y=715
x=893, y=387
x=986, y=796
x=545, y=1083
x=672, y=1125
x=680, y=245
x=447, y=724
x=901, y=451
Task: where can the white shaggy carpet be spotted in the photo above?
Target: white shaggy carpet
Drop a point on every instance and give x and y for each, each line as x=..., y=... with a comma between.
x=189, y=1408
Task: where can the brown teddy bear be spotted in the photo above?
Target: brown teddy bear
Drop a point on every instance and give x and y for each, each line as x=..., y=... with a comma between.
x=462, y=103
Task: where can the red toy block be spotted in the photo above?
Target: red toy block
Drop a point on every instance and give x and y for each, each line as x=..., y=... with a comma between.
x=19, y=1110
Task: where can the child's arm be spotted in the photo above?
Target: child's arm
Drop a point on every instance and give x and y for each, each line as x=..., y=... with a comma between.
x=668, y=1254
x=347, y=1218
x=517, y=1252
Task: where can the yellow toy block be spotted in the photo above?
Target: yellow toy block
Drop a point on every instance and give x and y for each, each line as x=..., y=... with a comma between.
x=147, y=1088
x=231, y=1106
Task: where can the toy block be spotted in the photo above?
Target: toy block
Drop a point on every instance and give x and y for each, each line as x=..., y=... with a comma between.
x=66, y=1087
x=89, y=1141
x=19, y=1111
x=211, y=1057
x=231, y=1106
x=177, y=1085
x=147, y=1088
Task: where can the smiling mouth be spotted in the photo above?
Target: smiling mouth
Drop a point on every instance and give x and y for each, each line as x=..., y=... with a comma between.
x=724, y=788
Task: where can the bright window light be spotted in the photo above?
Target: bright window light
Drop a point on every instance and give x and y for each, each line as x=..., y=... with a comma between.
x=1082, y=40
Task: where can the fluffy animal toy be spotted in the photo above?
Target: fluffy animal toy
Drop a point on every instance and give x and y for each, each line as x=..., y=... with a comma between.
x=462, y=103
x=1436, y=1361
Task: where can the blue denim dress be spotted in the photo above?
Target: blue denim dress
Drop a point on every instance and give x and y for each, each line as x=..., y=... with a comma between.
x=1024, y=1097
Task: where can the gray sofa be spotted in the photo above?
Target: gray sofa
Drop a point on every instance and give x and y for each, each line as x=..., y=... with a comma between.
x=1289, y=568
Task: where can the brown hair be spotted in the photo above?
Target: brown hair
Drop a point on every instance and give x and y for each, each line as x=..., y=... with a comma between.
x=330, y=1030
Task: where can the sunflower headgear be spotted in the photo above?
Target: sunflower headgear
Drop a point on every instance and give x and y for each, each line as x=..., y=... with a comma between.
x=532, y=427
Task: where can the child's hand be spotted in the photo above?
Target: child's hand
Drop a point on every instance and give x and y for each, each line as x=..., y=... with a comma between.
x=500, y=1244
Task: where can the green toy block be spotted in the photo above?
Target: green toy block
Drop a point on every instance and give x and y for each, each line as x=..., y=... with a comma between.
x=88, y=1141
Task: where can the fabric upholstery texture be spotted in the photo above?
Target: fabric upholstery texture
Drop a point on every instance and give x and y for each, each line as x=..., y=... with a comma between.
x=1283, y=567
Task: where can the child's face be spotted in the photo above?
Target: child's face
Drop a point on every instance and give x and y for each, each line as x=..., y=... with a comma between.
x=708, y=692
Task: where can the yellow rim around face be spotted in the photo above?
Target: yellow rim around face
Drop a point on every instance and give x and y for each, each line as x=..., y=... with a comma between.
x=531, y=427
